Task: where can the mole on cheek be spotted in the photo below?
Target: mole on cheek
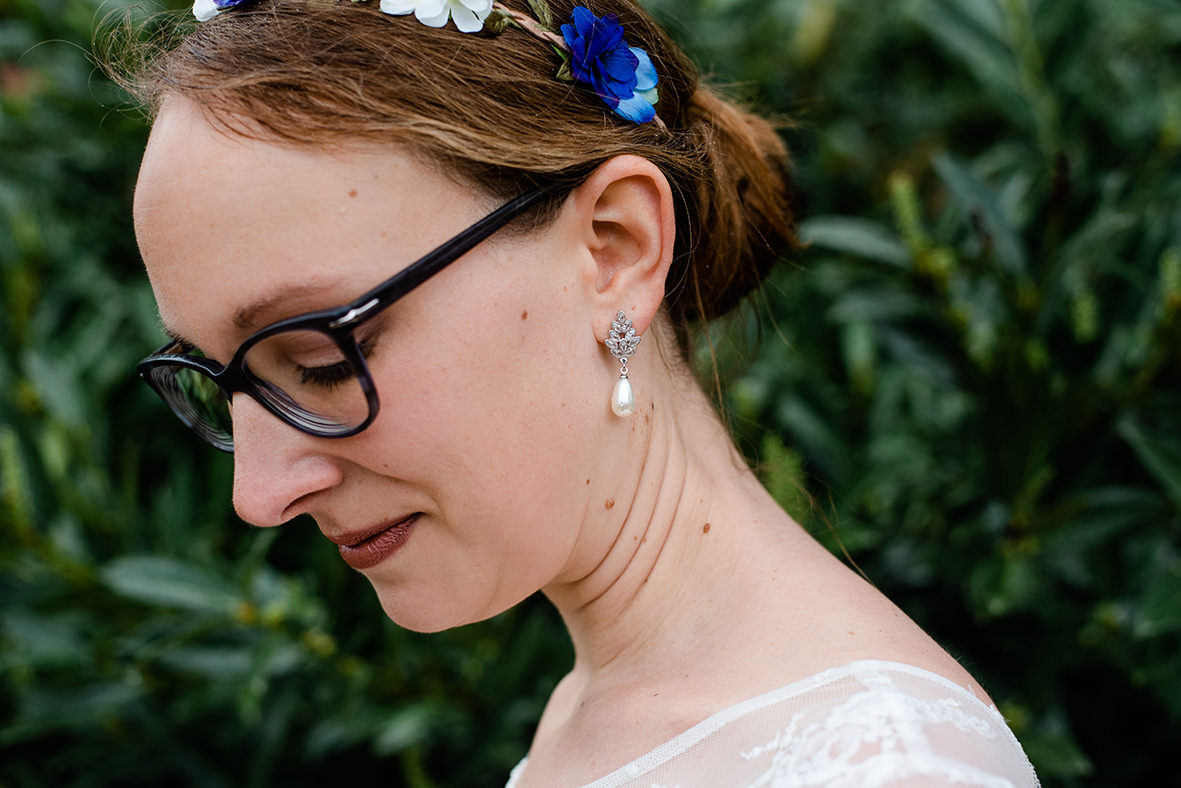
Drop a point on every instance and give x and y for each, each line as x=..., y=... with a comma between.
x=352, y=192
x=705, y=528
x=524, y=314
x=610, y=503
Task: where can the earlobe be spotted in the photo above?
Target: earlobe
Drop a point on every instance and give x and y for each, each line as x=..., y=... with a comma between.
x=629, y=229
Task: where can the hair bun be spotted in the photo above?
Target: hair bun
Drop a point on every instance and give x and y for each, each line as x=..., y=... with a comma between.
x=744, y=217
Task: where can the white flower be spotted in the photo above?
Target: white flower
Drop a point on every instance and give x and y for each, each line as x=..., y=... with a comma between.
x=469, y=15
x=204, y=10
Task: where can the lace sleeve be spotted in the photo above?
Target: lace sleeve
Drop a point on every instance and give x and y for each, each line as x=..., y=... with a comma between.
x=868, y=724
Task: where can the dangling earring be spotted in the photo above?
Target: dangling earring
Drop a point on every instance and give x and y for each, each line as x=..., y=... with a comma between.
x=622, y=343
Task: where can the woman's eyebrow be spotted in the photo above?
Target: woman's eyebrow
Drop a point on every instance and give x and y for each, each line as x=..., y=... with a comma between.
x=250, y=316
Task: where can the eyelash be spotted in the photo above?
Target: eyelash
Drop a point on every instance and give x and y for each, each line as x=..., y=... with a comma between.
x=333, y=375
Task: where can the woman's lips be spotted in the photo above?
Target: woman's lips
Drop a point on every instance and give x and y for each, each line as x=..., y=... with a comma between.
x=369, y=548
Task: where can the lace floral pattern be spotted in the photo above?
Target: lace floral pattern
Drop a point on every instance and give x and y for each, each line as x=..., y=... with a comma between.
x=869, y=724
x=831, y=751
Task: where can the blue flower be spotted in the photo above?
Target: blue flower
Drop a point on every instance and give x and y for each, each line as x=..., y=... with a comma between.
x=621, y=75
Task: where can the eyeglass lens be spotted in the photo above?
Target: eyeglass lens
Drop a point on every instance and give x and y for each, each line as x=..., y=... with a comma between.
x=302, y=374
x=197, y=400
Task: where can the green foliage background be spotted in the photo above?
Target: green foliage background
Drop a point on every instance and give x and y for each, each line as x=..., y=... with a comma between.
x=974, y=369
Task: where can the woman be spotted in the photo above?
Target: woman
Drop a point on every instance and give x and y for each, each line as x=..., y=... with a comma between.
x=438, y=258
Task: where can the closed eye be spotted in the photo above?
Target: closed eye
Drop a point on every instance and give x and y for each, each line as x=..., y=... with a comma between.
x=330, y=376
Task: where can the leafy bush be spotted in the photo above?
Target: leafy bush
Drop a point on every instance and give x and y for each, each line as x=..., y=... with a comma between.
x=978, y=361
x=975, y=367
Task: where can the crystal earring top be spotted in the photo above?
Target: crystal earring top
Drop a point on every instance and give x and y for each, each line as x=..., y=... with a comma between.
x=623, y=339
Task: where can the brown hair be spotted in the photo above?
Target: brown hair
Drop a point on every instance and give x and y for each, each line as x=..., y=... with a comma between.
x=489, y=110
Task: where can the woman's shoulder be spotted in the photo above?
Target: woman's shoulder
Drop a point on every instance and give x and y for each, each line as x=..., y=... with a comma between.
x=865, y=723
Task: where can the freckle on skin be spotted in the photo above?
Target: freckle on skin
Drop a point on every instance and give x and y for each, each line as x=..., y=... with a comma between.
x=588, y=481
x=705, y=528
x=610, y=503
x=524, y=314
x=352, y=192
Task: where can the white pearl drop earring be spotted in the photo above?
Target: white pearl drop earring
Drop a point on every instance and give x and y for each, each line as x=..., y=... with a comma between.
x=622, y=343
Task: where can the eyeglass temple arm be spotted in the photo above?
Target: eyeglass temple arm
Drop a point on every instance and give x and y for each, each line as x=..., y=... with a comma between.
x=439, y=258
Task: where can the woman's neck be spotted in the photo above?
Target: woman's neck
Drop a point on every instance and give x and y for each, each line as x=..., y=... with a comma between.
x=684, y=559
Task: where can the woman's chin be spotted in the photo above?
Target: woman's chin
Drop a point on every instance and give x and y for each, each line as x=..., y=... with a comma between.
x=426, y=615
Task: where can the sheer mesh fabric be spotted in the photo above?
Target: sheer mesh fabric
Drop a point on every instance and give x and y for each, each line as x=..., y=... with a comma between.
x=868, y=724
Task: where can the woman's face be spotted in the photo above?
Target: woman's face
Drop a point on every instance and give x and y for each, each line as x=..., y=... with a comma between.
x=489, y=375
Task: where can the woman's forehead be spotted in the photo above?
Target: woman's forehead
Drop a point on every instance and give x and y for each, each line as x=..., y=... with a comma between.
x=191, y=161
x=229, y=226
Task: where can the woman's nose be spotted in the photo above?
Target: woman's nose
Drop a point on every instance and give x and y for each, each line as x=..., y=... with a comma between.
x=278, y=470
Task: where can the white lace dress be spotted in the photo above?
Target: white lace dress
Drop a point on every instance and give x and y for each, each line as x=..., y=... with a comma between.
x=868, y=724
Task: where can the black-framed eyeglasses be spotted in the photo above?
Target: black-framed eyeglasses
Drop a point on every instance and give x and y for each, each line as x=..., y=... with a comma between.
x=309, y=370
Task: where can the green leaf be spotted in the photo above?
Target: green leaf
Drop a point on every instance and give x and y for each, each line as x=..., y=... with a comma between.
x=223, y=664
x=41, y=641
x=166, y=582
x=782, y=472
x=565, y=72
x=1056, y=753
x=980, y=201
x=405, y=728
x=1160, y=456
x=541, y=12
x=813, y=432
x=974, y=46
x=855, y=237
x=1001, y=585
x=868, y=305
x=1160, y=612
x=57, y=387
x=497, y=22
x=76, y=710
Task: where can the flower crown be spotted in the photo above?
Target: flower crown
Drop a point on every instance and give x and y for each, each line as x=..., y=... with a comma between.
x=592, y=48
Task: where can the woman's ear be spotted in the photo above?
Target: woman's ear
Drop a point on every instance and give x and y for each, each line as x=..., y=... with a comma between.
x=628, y=223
